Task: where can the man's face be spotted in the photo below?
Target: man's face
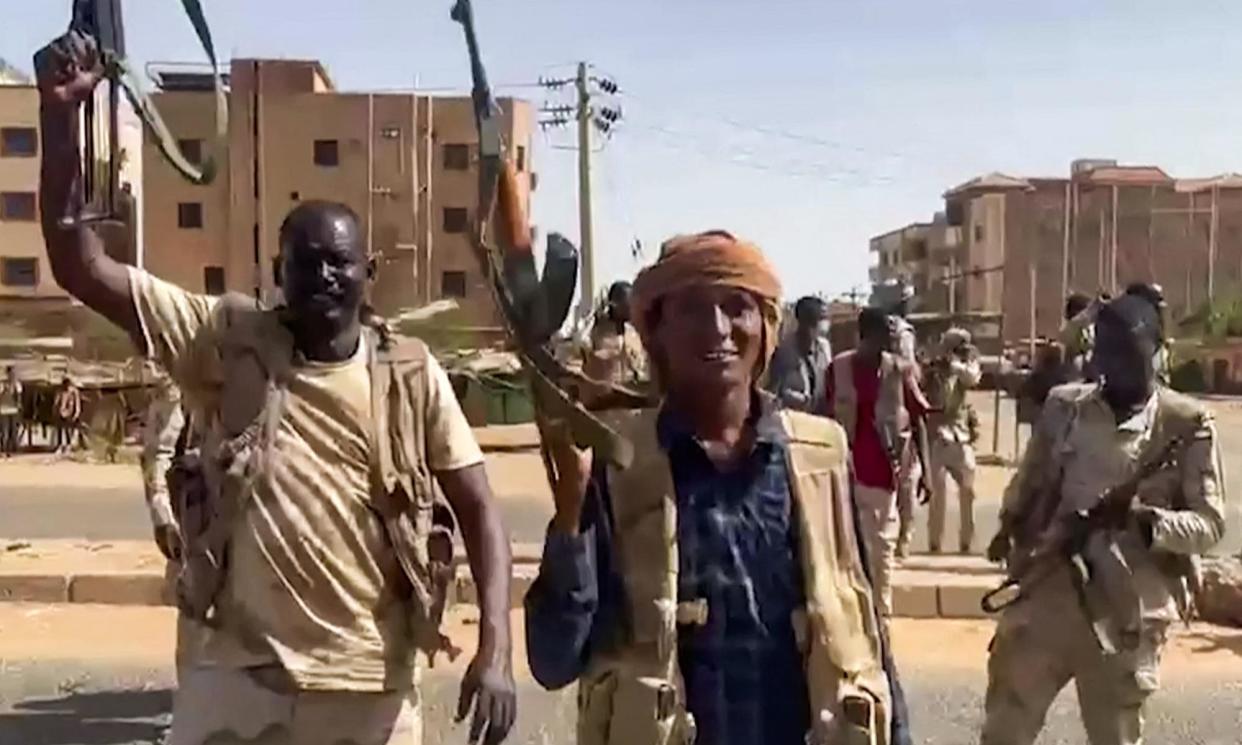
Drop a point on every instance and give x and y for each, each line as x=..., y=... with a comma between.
x=1126, y=361
x=324, y=271
x=812, y=326
x=711, y=338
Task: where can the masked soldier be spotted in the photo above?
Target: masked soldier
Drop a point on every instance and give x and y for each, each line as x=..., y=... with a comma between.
x=1105, y=632
x=679, y=592
x=949, y=376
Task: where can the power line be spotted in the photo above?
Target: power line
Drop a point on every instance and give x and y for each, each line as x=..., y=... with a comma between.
x=812, y=169
x=779, y=132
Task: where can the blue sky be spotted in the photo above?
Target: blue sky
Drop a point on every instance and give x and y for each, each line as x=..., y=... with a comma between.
x=805, y=125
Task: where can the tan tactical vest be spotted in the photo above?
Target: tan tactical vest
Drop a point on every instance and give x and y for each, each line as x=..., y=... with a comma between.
x=254, y=359
x=1038, y=485
x=891, y=418
x=632, y=694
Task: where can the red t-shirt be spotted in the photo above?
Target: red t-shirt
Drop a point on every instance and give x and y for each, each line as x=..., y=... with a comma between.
x=871, y=464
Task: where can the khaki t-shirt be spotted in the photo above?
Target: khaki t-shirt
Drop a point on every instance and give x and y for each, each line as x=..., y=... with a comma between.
x=312, y=578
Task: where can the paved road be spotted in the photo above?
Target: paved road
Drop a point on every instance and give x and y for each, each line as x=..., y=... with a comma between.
x=81, y=690
x=46, y=501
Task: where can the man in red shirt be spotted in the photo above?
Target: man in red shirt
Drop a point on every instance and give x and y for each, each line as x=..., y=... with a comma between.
x=875, y=396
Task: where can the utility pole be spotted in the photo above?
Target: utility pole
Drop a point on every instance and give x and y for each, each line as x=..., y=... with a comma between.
x=585, y=227
x=586, y=115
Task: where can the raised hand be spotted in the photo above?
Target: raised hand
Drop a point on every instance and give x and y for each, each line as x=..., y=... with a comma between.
x=68, y=69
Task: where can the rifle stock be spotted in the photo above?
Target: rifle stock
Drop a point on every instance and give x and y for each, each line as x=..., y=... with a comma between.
x=529, y=311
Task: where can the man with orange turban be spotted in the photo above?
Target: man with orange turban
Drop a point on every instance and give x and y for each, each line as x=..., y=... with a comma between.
x=712, y=591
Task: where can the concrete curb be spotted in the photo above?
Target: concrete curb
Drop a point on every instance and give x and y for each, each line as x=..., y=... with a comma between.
x=133, y=573
x=945, y=597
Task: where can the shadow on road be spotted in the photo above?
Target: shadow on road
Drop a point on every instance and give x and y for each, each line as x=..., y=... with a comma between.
x=108, y=718
x=1216, y=640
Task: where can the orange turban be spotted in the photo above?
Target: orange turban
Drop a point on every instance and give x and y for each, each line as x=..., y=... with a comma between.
x=714, y=259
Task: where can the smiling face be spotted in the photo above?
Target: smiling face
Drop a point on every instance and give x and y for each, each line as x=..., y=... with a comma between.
x=324, y=267
x=709, y=339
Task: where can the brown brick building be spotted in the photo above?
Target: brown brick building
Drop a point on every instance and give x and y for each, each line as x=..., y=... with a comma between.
x=1020, y=245
x=405, y=162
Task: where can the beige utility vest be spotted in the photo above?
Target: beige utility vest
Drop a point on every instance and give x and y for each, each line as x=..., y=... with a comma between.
x=253, y=360
x=632, y=693
x=891, y=418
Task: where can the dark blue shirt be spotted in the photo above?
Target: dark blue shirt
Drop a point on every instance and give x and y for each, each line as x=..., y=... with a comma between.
x=743, y=671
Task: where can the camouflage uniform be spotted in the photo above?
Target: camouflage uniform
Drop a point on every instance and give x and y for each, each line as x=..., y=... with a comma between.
x=1142, y=576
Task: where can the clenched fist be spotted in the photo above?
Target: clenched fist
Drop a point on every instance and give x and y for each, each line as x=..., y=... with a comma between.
x=68, y=69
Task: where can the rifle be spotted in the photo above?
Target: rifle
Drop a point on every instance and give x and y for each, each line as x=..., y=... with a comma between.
x=103, y=22
x=533, y=308
x=1067, y=536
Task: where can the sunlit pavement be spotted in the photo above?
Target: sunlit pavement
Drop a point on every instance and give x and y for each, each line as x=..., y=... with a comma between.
x=88, y=675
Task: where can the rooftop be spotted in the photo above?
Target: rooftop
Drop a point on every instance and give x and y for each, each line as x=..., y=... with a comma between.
x=1223, y=181
x=1126, y=175
x=993, y=181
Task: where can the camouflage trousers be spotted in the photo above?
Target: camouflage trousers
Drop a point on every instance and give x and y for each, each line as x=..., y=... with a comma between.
x=223, y=706
x=1044, y=642
x=954, y=460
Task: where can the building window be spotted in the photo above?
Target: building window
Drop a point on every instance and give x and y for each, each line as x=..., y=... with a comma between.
x=457, y=157
x=979, y=233
x=455, y=219
x=190, y=215
x=19, y=272
x=521, y=159
x=453, y=284
x=192, y=150
x=17, y=206
x=213, y=280
x=19, y=142
x=327, y=153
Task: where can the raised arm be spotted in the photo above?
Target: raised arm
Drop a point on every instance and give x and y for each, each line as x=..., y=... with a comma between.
x=563, y=606
x=68, y=70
